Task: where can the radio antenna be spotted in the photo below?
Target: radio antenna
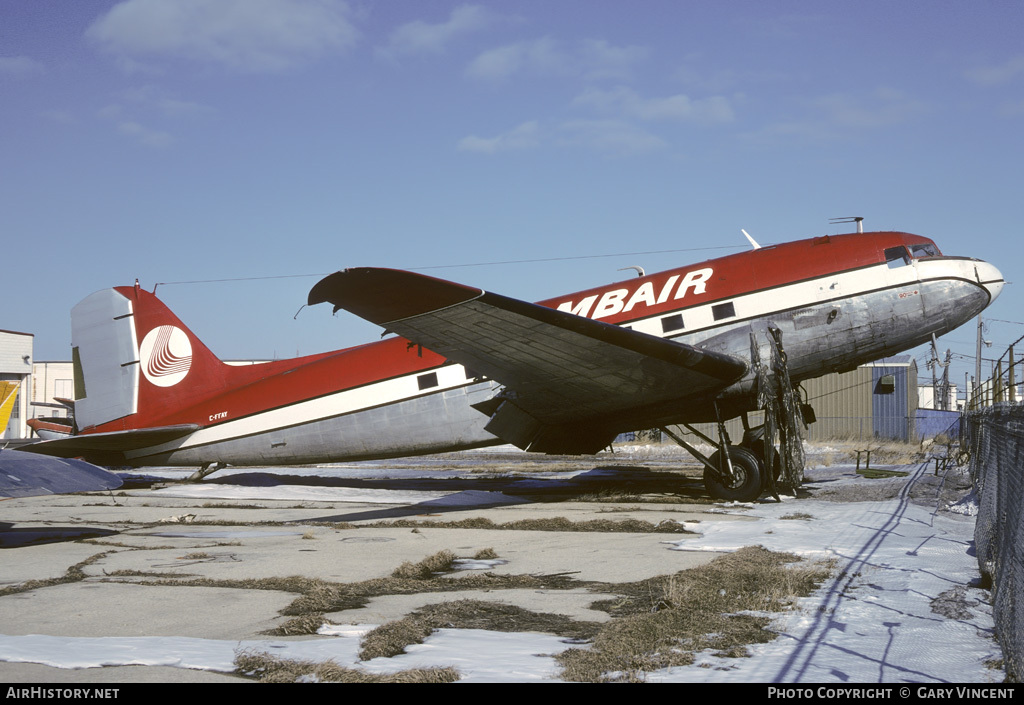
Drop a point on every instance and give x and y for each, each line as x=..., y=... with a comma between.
x=850, y=219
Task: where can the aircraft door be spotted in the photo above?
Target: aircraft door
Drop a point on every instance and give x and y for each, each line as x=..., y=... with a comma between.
x=903, y=296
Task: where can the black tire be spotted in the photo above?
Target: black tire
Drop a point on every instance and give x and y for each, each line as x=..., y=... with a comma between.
x=746, y=487
x=757, y=448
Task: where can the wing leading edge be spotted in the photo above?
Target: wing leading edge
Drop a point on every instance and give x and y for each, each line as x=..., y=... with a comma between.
x=571, y=383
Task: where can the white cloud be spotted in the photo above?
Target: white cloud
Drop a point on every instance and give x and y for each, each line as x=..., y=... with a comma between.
x=599, y=59
x=19, y=66
x=885, y=106
x=838, y=115
x=152, y=98
x=144, y=135
x=61, y=117
x=540, y=55
x=998, y=74
x=137, y=108
x=524, y=136
x=421, y=37
x=611, y=137
x=242, y=35
x=626, y=102
x=592, y=59
x=614, y=137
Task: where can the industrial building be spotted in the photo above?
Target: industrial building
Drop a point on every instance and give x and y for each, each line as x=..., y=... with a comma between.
x=876, y=400
x=16, y=366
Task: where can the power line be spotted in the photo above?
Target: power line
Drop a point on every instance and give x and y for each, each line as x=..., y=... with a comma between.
x=455, y=266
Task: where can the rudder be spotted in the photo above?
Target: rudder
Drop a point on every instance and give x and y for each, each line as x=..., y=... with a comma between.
x=135, y=362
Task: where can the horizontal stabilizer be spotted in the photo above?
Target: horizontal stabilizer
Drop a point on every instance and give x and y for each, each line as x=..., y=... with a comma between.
x=107, y=448
x=27, y=475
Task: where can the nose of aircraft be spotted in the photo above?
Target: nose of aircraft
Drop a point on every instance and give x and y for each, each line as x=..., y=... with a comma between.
x=989, y=277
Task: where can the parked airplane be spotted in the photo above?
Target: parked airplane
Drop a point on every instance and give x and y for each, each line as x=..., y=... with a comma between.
x=474, y=368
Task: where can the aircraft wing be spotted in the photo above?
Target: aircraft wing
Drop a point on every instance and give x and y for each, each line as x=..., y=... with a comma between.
x=565, y=376
x=26, y=475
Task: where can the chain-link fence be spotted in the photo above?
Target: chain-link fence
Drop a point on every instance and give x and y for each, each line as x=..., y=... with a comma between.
x=995, y=438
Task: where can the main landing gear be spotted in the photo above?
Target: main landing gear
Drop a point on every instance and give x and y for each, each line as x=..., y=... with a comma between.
x=733, y=472
x=742, y=472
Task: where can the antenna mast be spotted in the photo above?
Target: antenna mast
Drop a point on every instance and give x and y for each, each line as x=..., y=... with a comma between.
x=859, y=220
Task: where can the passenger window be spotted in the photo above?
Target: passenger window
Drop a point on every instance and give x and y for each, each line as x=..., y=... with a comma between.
x=671, y=323
x=721, y=311
x=897, y=257
x=427, y=381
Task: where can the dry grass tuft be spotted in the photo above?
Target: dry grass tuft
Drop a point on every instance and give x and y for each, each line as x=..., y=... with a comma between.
x=302, y=625
x=73, y=574
x=883, y=452
x=268, y=669
x=630, y=526
x=662, y=622
x=430, y=566
x=392, y=638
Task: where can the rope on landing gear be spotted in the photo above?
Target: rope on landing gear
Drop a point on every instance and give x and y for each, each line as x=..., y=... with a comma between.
x=765, y=391
x=787, y=407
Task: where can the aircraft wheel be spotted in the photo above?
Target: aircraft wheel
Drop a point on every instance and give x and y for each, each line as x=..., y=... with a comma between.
x=745, y=486
x=757, y=448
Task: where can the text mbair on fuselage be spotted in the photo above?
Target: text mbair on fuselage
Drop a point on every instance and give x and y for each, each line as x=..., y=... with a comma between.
x=623, y=300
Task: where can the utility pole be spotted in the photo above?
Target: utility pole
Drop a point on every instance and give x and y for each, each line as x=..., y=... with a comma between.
x=977, y=363
x=1013, y=378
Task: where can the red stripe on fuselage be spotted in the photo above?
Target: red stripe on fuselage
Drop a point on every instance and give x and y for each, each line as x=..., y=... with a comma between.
x=732, y=275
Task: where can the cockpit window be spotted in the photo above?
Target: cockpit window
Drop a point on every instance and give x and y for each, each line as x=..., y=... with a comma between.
x=896, y=257
x=924, y=250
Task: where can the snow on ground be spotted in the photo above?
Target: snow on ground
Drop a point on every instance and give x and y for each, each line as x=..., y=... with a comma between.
x=873, y=623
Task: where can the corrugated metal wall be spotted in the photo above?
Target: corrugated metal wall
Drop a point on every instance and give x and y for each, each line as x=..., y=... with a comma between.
x=854, y=404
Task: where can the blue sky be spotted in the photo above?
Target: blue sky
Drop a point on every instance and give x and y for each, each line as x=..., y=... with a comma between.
x=185, y=140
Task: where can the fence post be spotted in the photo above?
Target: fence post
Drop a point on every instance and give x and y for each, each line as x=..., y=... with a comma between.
x=1013, y=378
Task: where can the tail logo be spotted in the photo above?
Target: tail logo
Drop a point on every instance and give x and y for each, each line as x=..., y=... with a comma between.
x=165, y=355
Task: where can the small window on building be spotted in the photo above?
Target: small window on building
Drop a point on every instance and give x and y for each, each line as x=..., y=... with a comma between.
x=897, y=257
x=672, y=323
x=886, y=384
x=721, y=311
x=427, y=381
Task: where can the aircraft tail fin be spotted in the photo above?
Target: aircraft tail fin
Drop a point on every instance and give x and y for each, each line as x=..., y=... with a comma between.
x=136, y=364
